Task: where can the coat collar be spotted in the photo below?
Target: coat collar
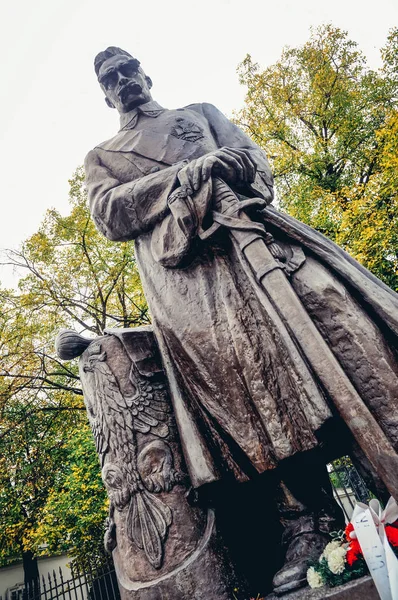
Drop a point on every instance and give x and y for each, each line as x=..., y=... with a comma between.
x=150, y=109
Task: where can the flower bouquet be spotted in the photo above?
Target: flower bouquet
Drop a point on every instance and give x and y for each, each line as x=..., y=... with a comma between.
x=369, y=545
x=340, y=562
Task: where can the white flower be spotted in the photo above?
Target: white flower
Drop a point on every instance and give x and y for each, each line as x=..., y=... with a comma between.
x=314, y=579
x=336, y=560
x=328, y=549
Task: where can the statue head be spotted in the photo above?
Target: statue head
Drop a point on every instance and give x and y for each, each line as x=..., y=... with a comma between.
x=122, y=79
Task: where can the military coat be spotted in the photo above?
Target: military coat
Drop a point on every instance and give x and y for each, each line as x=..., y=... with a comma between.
x=244, y=396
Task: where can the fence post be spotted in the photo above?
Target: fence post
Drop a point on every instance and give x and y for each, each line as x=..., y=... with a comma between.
x=44, y=587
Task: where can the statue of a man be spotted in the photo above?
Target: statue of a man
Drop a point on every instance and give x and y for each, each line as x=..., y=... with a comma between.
x=250, y=399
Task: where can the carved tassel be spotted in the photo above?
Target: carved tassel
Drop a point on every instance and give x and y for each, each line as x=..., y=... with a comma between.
x=147, y=525
x=69, y=344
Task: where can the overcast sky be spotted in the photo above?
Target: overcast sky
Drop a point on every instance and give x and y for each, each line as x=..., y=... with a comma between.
x=52, y=111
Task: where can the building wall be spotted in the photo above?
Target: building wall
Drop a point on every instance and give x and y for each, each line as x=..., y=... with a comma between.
x=12, y=575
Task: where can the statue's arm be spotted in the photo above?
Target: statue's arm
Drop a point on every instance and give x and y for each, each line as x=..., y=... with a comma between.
x=123, y=211
x=227, y=134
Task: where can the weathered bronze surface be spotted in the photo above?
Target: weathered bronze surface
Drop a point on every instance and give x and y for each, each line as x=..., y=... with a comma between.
x=162, y=545
x=277, y=345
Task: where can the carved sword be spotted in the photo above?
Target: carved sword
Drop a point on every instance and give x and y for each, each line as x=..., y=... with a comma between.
x=261, y=255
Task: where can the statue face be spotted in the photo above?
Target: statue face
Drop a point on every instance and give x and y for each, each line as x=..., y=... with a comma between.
x=124, y=83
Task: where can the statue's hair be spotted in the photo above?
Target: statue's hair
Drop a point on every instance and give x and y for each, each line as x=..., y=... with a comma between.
x=108, y=53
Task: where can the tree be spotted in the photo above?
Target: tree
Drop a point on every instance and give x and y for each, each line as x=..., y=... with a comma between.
x=70, y=277
x=32, y=457
x=326, y=122
x=72, y=519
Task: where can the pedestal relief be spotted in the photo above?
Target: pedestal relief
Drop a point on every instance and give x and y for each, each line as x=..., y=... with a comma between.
x=163, y=547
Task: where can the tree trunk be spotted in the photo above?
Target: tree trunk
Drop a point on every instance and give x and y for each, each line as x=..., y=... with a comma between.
x=31, y=574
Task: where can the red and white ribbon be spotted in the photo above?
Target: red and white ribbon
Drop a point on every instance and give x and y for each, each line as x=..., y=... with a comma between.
x=369, y=526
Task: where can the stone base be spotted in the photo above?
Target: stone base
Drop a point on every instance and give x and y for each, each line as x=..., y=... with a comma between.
x=360, y=589
x=163, y=546
x=205, y=575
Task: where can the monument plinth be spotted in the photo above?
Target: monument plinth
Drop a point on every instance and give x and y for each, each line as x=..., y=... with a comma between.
x=162, y=545
x=359, y=589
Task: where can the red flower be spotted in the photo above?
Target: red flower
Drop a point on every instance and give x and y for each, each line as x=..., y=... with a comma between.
x=392, y=534
x=354, y=552
x=354, y=549
x=347, y=531
x=351, y=557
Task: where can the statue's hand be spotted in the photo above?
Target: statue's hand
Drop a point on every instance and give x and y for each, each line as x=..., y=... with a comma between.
x=231, y=164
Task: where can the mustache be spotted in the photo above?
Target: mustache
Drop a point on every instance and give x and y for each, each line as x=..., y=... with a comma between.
x=129, y=88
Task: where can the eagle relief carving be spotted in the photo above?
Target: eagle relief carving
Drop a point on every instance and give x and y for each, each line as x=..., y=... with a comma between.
x=134, y=473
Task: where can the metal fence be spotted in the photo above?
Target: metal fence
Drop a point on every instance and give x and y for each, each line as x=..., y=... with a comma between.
x=92, y=585
x=348, y=485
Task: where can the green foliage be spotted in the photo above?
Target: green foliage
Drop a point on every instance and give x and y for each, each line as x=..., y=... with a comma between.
x=328, y=124
x=51, y=495
x=339, y=476
x=29, y=457
x=72, y=519
x=75, y=274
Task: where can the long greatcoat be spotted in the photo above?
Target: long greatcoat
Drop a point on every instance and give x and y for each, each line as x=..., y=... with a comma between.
x=244, y=397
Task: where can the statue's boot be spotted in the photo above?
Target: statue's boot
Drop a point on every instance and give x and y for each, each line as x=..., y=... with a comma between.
x=308, y=513
x=304, y=543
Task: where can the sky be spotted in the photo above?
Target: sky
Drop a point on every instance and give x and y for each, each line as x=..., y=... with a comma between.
x=52, y=111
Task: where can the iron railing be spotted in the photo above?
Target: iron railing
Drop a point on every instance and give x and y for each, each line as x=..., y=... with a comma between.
x=348, y=485
x=100, y=584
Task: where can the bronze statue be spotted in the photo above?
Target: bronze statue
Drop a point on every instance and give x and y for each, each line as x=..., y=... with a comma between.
x=279, y=348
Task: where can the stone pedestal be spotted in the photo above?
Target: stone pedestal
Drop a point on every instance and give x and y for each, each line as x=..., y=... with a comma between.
x=163, y=547
x=360, y=589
